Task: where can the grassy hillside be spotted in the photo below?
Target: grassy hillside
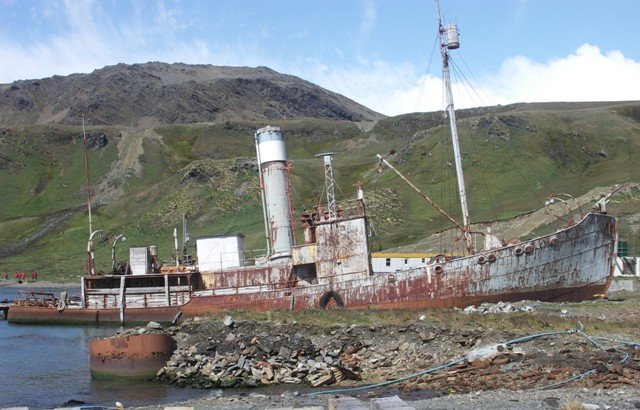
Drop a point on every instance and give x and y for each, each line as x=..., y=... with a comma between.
x=514, y=157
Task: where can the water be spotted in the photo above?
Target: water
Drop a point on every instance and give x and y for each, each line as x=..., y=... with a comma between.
x=43, y=366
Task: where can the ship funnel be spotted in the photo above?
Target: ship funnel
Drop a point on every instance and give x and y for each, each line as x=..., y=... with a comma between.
x=274, y=180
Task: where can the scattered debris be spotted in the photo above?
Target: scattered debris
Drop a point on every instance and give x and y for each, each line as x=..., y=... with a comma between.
x=500, y=307
x=256, y=354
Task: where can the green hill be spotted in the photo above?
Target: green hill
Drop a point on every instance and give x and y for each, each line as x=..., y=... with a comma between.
x=145, y=180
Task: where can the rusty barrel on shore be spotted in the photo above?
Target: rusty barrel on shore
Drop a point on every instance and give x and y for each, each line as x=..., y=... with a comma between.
x=136, y=357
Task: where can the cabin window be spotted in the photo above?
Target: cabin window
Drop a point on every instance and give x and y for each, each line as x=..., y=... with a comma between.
x=623, y=248
x=423, y=260
x=387, y=262
x=306, y=272
x=406, y=261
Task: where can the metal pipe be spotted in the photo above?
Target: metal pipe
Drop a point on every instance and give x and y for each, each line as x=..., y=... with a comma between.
x=569, y=196
x=123, y=298
x=91, y=259
x=175, y=246
x=552, y=200
x=113, y=251
x=185, y=238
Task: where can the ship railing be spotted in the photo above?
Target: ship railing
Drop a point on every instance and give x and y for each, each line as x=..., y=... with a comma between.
x=283, y=285
x=354, y=209
x=254, y=257
x=138, y=290
x=134, y=297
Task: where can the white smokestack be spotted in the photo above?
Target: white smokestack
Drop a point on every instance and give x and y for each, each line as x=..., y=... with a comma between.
x=272, y=159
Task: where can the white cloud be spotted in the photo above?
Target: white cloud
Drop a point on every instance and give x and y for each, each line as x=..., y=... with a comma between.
x=586, y=75
x=170, y=18
x=93, y=40
x=369, y=17
x=382, y=86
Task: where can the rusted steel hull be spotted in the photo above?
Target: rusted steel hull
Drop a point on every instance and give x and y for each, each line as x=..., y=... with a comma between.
x=50, y=315
x=573, y=264
x=129, y=357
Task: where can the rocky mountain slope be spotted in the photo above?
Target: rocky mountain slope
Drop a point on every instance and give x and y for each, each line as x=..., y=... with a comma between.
x=159, y=93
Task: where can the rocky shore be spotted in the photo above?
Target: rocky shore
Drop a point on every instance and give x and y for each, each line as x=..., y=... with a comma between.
x=429, y=362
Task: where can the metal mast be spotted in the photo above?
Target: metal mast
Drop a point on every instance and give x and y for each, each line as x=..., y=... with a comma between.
x=449, y=41
x=330, y=183
x=86, y=175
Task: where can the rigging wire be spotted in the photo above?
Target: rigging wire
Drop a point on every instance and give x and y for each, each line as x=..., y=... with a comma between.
x=442, y=186
x=373, y=229
x=486, y=100
x=446, y=172
x=500, y=124
x=424, y=78
x=335, y=184
x=539, y=177
x=458, y=74
x=244, y=203
x=297, y=196
x=464, y=82
x=457, y=70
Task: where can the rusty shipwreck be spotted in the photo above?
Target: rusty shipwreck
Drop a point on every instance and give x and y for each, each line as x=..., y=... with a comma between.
x=333, y=265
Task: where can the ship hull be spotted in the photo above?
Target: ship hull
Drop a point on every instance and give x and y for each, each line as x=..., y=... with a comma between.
x=73, y=316
x=573, y=264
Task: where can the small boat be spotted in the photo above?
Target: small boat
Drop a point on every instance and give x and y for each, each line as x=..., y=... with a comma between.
x=129, y=357
x=332, y=264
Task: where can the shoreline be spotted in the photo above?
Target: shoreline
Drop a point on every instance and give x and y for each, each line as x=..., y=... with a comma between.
x=525, y=359
x=499, y=399
x=37, y=284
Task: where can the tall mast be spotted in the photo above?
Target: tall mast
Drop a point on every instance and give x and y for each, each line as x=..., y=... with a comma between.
x=449, y=41
x=86, y=175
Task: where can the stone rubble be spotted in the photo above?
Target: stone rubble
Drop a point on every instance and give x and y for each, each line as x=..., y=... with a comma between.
x=500, y=307
x=228, y=353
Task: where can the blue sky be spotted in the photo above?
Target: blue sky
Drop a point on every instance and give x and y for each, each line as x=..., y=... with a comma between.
x=376, y=52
